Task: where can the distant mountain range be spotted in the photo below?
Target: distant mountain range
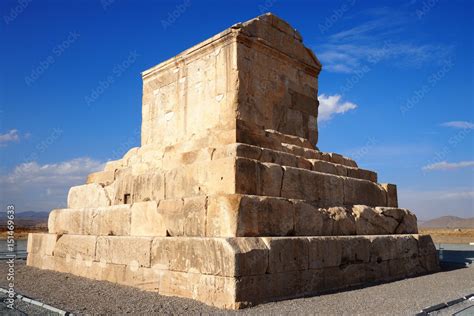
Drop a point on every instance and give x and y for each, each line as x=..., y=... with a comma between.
x=31, y=215
x=448, y=222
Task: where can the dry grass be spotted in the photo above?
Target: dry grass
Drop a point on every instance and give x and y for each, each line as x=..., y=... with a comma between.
x=450, y=235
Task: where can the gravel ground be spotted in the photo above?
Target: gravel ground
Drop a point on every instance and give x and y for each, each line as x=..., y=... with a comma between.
x=22, y=308
x=84, y=296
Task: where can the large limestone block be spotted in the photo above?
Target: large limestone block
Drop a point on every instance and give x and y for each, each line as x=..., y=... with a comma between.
x=113, y=165
x=148, y=279
x=343, y=221
x=148, y=187
x=310, y=220
x=287, y=253
x=425, y=245
x=237, y=150
x=382, y=248
x=129, y=188
x=406, y=219
x=101, y=177
x=41, y=261
x=270, y=178
x=406, y=246
x=323, y=188
x=328, y=167
x=183, y=217
x=371, y=222
x=246, y=216
x=115, y=273
x=76, y=247
x=355, y=249
x=213, y=290
x=324, y=252
x=207, y=177
x=112, y=220
x=146, y=220
x=215, y=256
x=70, y=221
x=132, y=251
x=88, y=195
x=252, y=290
x=362, y=174
x=364, y=192
x=41, y=244
x=176, y=100
x=392, y=196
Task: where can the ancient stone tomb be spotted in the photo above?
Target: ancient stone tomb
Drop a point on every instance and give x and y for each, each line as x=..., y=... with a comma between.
x=228, y=200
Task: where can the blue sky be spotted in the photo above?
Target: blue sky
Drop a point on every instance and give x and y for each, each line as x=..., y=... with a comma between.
x=396, y=89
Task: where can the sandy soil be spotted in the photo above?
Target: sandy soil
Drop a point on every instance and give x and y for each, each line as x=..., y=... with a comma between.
x=450, y=235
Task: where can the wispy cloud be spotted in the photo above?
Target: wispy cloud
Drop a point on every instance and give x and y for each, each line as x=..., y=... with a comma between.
x=459, y=124
x=332, y=105
x=432, y=204
x=34, y=186
x=443, y=165
x=347, y=50
x=10, y=136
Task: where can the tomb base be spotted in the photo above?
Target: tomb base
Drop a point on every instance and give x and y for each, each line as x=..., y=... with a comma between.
x=236, y=272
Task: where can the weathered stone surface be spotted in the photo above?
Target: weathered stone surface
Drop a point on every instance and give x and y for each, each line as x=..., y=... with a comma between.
x=327, y=167
x=87, y=196
x=216, y=256
x=362, y=174
x=101, y=177
x=214, y=290
x=146, y=220
x=363, y=192
x=76, y=247
x=271, y=176
x=406, y=219
x=112, y=220
x=243, y=271
x=110, y=249
x=70, y=221
x=311, y=221
x=343, y=221
x=324, y=252
x=245, y=216
x=312, y=186
x=392, y=196
x=370, y=222
x=41, y=244
x=287, y=253
x=181, y=217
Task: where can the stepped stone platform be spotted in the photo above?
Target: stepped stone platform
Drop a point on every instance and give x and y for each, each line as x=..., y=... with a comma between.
x=228, y=200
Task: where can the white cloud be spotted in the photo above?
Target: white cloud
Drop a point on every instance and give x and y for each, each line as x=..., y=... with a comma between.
x=331, y=105
x=10, y=136
x=432, y=204
x=35, y=187
x=459, y=124
x=443, y=165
